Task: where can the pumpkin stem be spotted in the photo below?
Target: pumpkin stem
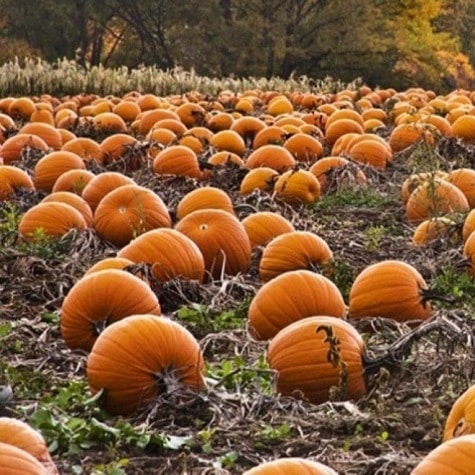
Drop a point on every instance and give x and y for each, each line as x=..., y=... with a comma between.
x=394, y=355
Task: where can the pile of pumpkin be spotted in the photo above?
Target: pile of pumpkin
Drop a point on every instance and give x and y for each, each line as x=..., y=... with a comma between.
x=288, y=146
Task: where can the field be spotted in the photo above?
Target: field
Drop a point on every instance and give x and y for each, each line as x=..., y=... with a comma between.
x=238, y=421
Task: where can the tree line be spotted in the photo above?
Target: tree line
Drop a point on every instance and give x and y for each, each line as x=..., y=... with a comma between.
x=387, y=43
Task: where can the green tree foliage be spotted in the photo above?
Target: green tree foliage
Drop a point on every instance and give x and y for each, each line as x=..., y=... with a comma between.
x=395, y=43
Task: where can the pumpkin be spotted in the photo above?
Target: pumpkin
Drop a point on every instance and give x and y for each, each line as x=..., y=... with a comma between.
x=50, y=167
x=297, y=187
x=122, y=146
x=318, y=358
x=21, y=108
x=136, y=360
x=247, y=127
x=74, y=200
x=435, y=198
x=461, y=418
x=170, y=253
x=304, y=147
x=207, y=197
x=73, y=181
x=228, y=140
x=272, y=156
x=262, y=226
x=177, y=160
x=270, y=135
x=291, y=466
x=53, y=219
x=289, y=297
x=12, y=149
x=261, y=178
x=220, y=121
x=468, y=225
x=370, y=152
x=389, y=289
x=224, y=158
x=100, y=298
x=341, y=127
x=87, y=148
x=464, y=180
x=407, y=134
x=191, y=114
x=108, y=122
x=21, y=435
x=101, y=185
x=15, y=461
x=416, y=179
x=13, y=179
x=291, y=251
x=221, y=238
x=110, y=263
x=431, y=229
x=454, y=457
x=47, y=132
x=148, y=119
x=469, y=251
x=128, y=211
x=464, y=128
x=279, y=105
x=346, y=113
x=127, y=109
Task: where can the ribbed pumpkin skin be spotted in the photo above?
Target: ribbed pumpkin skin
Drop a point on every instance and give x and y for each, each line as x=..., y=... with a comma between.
x=461, y=418
x=454, y=457
x=74, y=200
x=204, y=198
x=102, y=184
x=292, y=251
x=128, y=211
x=292, y=296
x=15, y=461
x=260, y=178
x=297, y=187
x=271, y=156
x=262, y=226
x=110, y=263
x=170, y=253
x=300, y=356
x=464, y=180
x=73, y=181
x=468, y=225
x=389, y=289
x=291, y=466
x=221, y=238
x=50, y=167
x=177, y=160
x=435, y=198
x=19, y=434
x=103, y=297
x=13, y=147
x=130, y=357
x=54, y=218
x=16, y=177
x=469, y=251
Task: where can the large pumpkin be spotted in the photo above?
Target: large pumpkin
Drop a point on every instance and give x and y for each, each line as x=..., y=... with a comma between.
x=177, y=160
x=260, y=178
x=318, y=358
x=128, y=211
x=21, y=435
x=12, y=179
x=170, y=253
x=13, y=148
x=204, y=198
x=461, y=418
x=15, y=461
x=390, y=289
x=292, y=296
x=74, y=200
x=100, y=298
x=222, y=239
x=454, y=457
x=272, y=156
x=262, y=226
x=291, y=251
x=291, y=466
x=297, y=187
x=141, y=357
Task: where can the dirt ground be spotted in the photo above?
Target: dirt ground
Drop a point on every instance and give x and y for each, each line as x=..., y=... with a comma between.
x=389, y=431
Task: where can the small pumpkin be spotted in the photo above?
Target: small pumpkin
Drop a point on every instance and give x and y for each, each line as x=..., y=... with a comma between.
x=221, y=238
x=318, y=358
x=261, y=178
x=272, y=156
x=128, y=211
x=100, y=298
x=304, y=147
x=454, y=457
x=110, y=263
x=291, y=466
x=431, y=229
x=74, y=200
x=389, y=289
x=15, y=461
x=291, y=251
x=12, y=149
x=289, y=297
x=262, y=226
x=177, y=160
x=136, y=360
x=73, y=181
x=207, y=197
x=87, y=148
x=170, y=253
x=228, y=140
x=47, y=132
x=297, y=187
x=461, y=418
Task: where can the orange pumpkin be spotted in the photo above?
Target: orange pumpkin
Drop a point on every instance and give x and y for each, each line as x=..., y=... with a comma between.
x=228, y=140
x=15, y=461
x=271, y=156
x=87, y=148
x=12, y=179
x=222, y=239
x=177, y=160
x=207, y=197
x=289, y=297
x=74, y=200
x=431, y=229
x=110, y=263
x=464, y=180
x=469, y=251
x=468, y=225
x=47, y=132
x=464, y=128
x=128, y=211
x=100, y=298
x=291, y=466
x=389, y=289
x=12, y=149
x=54, y=219
x=297, y=187
x=461, y=418
x=291, y=251
x=318, y=358
x=73, y=181
x=304, y=147
x=170, y=253
x=262, y=226
x=261, y=178
x=137, y=359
